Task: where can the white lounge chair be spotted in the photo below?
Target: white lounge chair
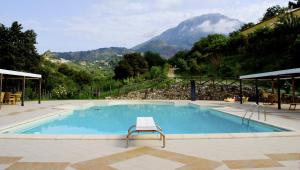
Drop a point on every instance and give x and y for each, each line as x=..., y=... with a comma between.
x=145, y=124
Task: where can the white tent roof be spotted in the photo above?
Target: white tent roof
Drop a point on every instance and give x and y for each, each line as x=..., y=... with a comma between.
x=19, y=73
x=281, y=73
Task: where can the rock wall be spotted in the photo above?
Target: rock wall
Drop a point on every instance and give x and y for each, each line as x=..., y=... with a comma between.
x=181, y=91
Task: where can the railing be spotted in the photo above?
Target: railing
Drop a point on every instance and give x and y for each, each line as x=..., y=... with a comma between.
x=257, y=109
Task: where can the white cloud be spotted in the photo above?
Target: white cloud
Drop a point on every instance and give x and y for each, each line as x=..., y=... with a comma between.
x=223, y=26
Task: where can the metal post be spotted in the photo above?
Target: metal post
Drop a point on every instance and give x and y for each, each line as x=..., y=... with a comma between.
x=40, y=90
x=23, y=92
x=293, y=88
x=278, y=92
x=241, y=92
x=1, y=75
x=256, y=92
x=272, y=86
x=193, y=90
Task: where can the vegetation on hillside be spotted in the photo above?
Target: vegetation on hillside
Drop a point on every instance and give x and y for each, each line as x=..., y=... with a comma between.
x=64, y=79
x=265, y=49
x=215, y=55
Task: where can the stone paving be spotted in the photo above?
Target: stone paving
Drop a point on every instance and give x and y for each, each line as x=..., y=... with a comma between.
x=212, y=152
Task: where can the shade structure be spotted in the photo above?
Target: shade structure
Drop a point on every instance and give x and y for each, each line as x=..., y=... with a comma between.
x=283, y=74
x=19, y=73
x=11, y=74
x=273, y=75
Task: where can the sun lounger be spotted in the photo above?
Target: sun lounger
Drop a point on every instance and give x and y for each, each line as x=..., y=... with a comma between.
x=145, y=124
x=229, y=99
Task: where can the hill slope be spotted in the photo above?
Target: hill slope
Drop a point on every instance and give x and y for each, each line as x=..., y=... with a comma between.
x=108, y=55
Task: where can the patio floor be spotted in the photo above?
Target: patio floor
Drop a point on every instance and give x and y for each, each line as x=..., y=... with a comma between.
x=234, y=152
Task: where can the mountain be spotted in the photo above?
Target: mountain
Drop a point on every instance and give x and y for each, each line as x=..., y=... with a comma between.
x=104, y=56
x=181, y=37
x=188, y=32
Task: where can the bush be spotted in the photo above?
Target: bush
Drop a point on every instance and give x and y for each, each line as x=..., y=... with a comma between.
x=60, y=92
x=155, y=71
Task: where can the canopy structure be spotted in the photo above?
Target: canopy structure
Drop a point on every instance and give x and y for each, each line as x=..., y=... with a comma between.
x=10, y=74
x=271, y=76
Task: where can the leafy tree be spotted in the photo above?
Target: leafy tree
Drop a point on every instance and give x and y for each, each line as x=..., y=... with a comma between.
x=213, y=47
x=123, y=70
x=294, y=5
x=295, y=53
x=17, y=48
x=66, y=70
x=183, y=65
x=174, y=60
x=288, y=23
x=194, y=67
x=154, y=59
x=246, y=26
x=272, y=12
x=82, y=78
x=131, y=65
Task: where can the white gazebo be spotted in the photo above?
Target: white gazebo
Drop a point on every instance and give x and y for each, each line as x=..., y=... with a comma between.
x=10, y=74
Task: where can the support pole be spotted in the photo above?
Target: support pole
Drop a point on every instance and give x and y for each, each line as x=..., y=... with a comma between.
x=23, y=92
x=40, y=90
x=241, y=92
x=1, y=75
x=278, y=92
x=293, y=88
x=193, y=90
x=273, y=87
x=256, y=92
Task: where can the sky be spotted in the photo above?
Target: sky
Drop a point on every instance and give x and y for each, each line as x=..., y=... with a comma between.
x=74, y=25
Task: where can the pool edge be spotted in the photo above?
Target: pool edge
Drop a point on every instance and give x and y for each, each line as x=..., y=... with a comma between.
x=69, y=108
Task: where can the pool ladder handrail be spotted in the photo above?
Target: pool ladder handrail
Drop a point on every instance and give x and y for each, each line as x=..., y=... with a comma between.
x=259, y=109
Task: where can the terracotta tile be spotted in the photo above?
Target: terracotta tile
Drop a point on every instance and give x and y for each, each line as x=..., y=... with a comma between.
x=190, y=161
x=284, y=156
x=13, y=113
x=93, y=167
x=110, y=159
x=8, y=160
x=256, y=163
x=38, y=166
x=201, y=164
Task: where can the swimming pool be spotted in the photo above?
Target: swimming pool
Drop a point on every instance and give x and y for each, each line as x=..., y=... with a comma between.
x=174, y=119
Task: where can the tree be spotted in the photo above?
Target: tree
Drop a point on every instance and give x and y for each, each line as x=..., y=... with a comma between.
x=295, y=53
x=272, y=12
x=154, y=59
x=246, y=26
x=17, y=48
x=123, y=70
x=288, y=23
x=294, y=5
x=82, y=78
x=130, y=66
x=174, y=60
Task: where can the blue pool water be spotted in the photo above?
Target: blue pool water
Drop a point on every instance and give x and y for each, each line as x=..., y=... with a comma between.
x=116, y=119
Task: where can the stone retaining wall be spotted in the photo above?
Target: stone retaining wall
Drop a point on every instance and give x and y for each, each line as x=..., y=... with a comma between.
x=182, y=91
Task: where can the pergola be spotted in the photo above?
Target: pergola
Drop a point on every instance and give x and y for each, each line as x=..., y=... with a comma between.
x=17, y=75
x=271, y=76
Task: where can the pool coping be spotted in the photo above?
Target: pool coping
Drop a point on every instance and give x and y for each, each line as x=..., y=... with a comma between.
x=67, y=109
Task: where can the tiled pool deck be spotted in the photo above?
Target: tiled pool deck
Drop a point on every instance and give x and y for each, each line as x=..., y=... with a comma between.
x=223, y=151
